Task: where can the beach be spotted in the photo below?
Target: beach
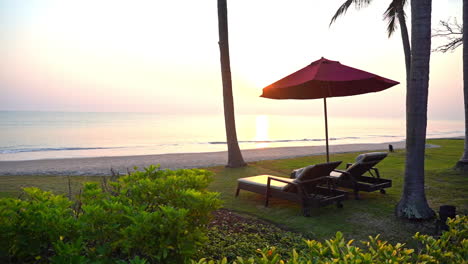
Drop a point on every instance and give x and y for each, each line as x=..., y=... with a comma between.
x=98, y=166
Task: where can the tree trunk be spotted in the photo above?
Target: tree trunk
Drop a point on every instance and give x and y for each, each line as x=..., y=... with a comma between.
x=406, y=43
x=235, y=159
x=413, y=203
x=462, y=164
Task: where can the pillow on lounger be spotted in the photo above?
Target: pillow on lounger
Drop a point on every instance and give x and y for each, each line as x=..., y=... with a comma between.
x=297, y=173
x=311, y=172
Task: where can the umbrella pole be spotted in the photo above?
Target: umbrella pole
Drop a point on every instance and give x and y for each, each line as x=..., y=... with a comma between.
x=326, y=126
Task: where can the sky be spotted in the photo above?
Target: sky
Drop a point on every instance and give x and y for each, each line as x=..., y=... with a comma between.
x=163, y=56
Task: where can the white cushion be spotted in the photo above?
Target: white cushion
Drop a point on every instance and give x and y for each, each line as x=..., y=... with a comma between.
x=336, y=174
x=262, y=180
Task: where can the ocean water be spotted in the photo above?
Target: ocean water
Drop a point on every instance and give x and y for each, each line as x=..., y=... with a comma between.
x=45, y=135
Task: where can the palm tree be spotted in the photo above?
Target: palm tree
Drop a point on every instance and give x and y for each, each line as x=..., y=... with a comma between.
x=395, y=12
x=462, y=164
x=235, y=159
x=413, y=204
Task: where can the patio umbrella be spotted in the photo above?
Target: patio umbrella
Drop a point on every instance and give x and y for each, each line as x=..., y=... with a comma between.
x=323, y=79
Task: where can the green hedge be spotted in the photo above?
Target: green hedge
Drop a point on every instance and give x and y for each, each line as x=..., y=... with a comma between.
x=450, y=247
x=150, y=216
x=160, y=216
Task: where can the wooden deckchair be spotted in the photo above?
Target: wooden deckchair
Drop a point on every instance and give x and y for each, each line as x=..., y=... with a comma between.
x=353, y=177
x=312, y=187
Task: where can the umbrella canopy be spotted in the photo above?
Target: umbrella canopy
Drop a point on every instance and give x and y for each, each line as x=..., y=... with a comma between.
x=326, y=78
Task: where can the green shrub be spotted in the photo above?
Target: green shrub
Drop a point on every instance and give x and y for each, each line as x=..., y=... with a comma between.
x=28, y=227
x=236, y=238
x=450, y=247
x=149, y=216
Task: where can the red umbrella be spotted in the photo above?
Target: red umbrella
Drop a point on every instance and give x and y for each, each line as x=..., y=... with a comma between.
x=325, y=78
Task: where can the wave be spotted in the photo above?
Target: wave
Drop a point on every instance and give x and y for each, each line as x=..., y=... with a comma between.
x=285, y=140
x=9, y=149
x=333, y=138
x=20, y=150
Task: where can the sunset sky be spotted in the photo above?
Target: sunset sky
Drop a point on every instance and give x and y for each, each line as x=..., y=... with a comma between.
x=163, y=56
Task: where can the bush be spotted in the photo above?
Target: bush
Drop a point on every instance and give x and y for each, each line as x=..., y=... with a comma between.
x=233, y=236
x=451, y=247
x=149, y=216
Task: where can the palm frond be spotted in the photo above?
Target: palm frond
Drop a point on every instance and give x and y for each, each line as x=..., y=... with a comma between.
x=391, y=16
x=341, y=10
x=344, y=7
x=392, y=13
x=361, y=3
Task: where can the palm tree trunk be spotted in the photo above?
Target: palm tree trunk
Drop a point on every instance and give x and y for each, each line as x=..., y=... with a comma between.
x=413, y=203
x=406, y=43
x=462, y=164
x=234, y=154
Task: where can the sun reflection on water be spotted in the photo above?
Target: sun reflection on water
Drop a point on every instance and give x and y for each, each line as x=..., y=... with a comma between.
x=261, y=132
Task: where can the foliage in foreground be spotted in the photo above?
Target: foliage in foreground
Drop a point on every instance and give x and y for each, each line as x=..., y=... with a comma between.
x=450, y=247
x=155, y=215
x=236, y=236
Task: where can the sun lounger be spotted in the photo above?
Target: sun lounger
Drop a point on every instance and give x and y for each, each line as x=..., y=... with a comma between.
x=353, y=177
x=313, y=187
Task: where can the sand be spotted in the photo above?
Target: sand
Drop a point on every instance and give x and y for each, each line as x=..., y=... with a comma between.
x=102, y=165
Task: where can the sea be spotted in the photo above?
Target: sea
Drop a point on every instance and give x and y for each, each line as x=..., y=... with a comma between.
x=49, y=135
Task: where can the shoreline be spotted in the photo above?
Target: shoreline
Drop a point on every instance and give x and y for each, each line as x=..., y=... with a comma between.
x=100, y=166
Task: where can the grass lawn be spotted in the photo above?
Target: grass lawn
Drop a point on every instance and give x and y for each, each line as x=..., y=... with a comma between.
x=371, y=215
x=10, y=186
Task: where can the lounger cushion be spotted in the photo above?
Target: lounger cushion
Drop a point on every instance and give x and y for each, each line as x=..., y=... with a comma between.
x=303, y=174
x=372, y=156
x=262, y=180
x=366, y=157
x=363, y=163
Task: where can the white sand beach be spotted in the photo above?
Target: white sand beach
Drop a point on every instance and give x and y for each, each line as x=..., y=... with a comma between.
x=102, y=165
